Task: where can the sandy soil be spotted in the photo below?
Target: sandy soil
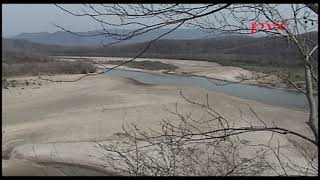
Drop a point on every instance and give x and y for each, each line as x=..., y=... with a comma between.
x=56, y=122
x=28, y=168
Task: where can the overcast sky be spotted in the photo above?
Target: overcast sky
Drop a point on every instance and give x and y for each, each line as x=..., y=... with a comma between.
x=20, y=18
x=24, y=18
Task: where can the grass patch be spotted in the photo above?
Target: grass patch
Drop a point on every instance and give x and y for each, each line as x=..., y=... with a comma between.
x=18, y=63
x=146, y=65
x=46, y=68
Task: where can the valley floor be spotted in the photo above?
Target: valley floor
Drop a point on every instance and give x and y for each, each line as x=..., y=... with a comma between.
x=199, y=68
x=57, y=122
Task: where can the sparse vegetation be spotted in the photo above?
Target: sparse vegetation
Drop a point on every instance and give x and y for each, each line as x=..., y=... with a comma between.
x=147, y=65
x=16, y=63
x=54, y=67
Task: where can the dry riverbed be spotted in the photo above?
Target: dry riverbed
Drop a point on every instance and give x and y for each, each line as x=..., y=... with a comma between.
x=199, y=68
x=54, y=122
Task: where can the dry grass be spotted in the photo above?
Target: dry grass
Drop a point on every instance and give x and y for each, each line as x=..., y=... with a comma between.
x=18, y=63
x=45, y=68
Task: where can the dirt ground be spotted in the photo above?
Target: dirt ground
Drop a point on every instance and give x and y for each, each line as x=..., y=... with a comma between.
x=57, y=122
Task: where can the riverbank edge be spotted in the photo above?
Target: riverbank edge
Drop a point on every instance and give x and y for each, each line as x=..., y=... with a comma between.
x=195, y=75
x=262, y=84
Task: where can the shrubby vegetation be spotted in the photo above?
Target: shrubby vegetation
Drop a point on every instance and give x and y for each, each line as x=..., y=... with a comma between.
x=147, y=65
x=15, y=63
x=54, y=67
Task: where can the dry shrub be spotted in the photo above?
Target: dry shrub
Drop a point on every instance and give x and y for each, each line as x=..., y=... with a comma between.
x=44, y=68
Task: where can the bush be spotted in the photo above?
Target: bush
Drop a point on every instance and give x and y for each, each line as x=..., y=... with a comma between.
x=17, y=63
x=147, y=65
x=44, y=68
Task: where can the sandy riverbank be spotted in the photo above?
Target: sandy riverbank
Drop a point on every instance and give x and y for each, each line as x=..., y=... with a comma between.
x=66, y=117
x=199, y=68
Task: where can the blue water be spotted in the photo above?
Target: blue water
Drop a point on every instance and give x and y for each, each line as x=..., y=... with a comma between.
x=278, y=97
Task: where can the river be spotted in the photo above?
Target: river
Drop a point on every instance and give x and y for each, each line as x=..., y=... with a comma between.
x=273, y=96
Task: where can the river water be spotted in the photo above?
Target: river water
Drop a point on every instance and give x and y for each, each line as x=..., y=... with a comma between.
x=273, y=96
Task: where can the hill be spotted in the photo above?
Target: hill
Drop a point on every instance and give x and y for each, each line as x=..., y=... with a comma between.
x=68, y=39
x=263, y=50
x=246, y=49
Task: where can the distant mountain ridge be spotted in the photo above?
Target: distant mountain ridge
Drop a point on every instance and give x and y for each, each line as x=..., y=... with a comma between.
x=67, y=39
x=271, y=49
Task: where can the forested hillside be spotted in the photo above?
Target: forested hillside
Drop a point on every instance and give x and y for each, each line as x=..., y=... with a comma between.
x=247, y=49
